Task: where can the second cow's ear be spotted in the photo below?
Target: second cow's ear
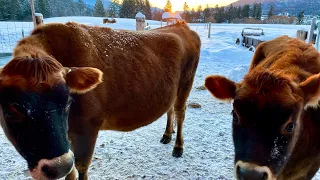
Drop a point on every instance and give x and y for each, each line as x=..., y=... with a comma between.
x=82, y=79
x=311, y=90
x=221, y=87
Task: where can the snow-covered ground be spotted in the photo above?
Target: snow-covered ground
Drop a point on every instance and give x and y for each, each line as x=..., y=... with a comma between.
x=208, y=149
x=11, y=32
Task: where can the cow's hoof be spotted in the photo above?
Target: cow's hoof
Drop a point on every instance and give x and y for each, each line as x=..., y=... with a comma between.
x=177, y=152
x=165, y=139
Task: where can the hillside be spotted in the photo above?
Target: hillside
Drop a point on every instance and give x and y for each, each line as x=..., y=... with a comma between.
x=310, y=7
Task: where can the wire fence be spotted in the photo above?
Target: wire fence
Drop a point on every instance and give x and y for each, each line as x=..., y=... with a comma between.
x=11, y=33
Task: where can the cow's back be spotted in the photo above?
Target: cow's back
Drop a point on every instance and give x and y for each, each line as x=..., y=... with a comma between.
x=142, y=70
x=288, y=55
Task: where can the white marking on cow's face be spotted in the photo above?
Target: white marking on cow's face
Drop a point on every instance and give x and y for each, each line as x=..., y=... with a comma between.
x=54, y=168
x=275, y=152
x=248, y=168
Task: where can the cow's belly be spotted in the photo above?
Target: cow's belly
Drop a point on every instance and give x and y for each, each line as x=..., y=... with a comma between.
x=127, y=124
x=133, y=120
x=135, y=114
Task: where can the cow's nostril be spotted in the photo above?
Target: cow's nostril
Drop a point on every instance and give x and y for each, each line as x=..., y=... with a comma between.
x=238, y=172
x=49, y=172
x=245, y=173
x=264, y=176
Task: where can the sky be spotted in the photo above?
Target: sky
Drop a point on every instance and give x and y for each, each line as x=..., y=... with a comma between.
x=178, y=4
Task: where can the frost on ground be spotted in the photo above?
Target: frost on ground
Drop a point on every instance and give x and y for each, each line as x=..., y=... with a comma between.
x=208, y=147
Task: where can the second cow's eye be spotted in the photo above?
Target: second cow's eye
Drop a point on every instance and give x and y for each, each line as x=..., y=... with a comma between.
x=14, y=113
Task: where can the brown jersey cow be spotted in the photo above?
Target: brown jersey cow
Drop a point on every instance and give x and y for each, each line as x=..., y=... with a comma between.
x=68, y=81
x=276, y=117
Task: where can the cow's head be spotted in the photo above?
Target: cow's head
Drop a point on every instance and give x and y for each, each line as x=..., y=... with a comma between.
x=35, y=101
x=267, y=114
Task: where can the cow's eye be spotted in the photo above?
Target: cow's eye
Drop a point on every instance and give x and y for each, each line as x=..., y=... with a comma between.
x=235, y=117
x=289, y=127
x=14, y=113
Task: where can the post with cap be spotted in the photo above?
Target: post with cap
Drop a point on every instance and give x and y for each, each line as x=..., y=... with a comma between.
x=140, y=21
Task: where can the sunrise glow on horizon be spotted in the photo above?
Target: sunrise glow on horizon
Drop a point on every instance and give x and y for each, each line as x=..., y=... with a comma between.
x=177, y=5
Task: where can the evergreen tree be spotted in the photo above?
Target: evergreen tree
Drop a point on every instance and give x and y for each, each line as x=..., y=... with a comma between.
x=231, y=13
x=206, y=12
x=157, y=14
x=128, y=9
x=199, y=14
x=98, y=9
x=26, y=11
x=239, y=12
x=192, y=15
x=3, y=10
x=186, y=14
x=259, y=11
x=80, y=8
x=147, y=10
x=140, y=6
x=44, y=8
x=114, y=8
x=300, y=17
x=246, y=11
x=14, y=10
x=88, y=11
x=270, y=13
x=168, y=6
x=254, y=10
x=219, y=14
x=70, y=8
x=58, y=8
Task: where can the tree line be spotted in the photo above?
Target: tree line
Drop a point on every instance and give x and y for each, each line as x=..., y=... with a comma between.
x=20, y=10
x=221, y=14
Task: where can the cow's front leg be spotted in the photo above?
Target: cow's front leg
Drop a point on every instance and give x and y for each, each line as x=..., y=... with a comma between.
x=83, y=147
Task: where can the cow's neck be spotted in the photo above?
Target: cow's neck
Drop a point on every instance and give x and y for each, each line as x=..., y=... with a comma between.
x=35, y=47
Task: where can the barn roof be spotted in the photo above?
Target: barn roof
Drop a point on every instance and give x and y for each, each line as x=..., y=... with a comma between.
x=170, y=15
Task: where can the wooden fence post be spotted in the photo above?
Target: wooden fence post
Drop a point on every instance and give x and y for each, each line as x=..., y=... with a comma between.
x=209, y=32
x=33, y=13
x=39, y=18
x=313, y=27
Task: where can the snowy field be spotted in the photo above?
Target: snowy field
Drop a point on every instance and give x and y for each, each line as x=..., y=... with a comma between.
x=11, y=32
x=208, y=148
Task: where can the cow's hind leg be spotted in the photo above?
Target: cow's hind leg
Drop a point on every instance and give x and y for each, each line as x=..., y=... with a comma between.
x=184, y=89
x=179, y=110
x=83, y=147
x=180, y=115
x=166, y=138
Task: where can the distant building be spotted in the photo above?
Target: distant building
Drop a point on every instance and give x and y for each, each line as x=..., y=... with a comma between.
x=284, y=14
x=264, y=17
x=171, y=18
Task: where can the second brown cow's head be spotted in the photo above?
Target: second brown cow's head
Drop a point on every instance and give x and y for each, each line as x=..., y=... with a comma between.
x=34, y=105
x=267, y=113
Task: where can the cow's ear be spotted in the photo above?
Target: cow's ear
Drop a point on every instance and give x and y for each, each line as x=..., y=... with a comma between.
x=82, y=79
x=311, y=90
x=221, y=87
